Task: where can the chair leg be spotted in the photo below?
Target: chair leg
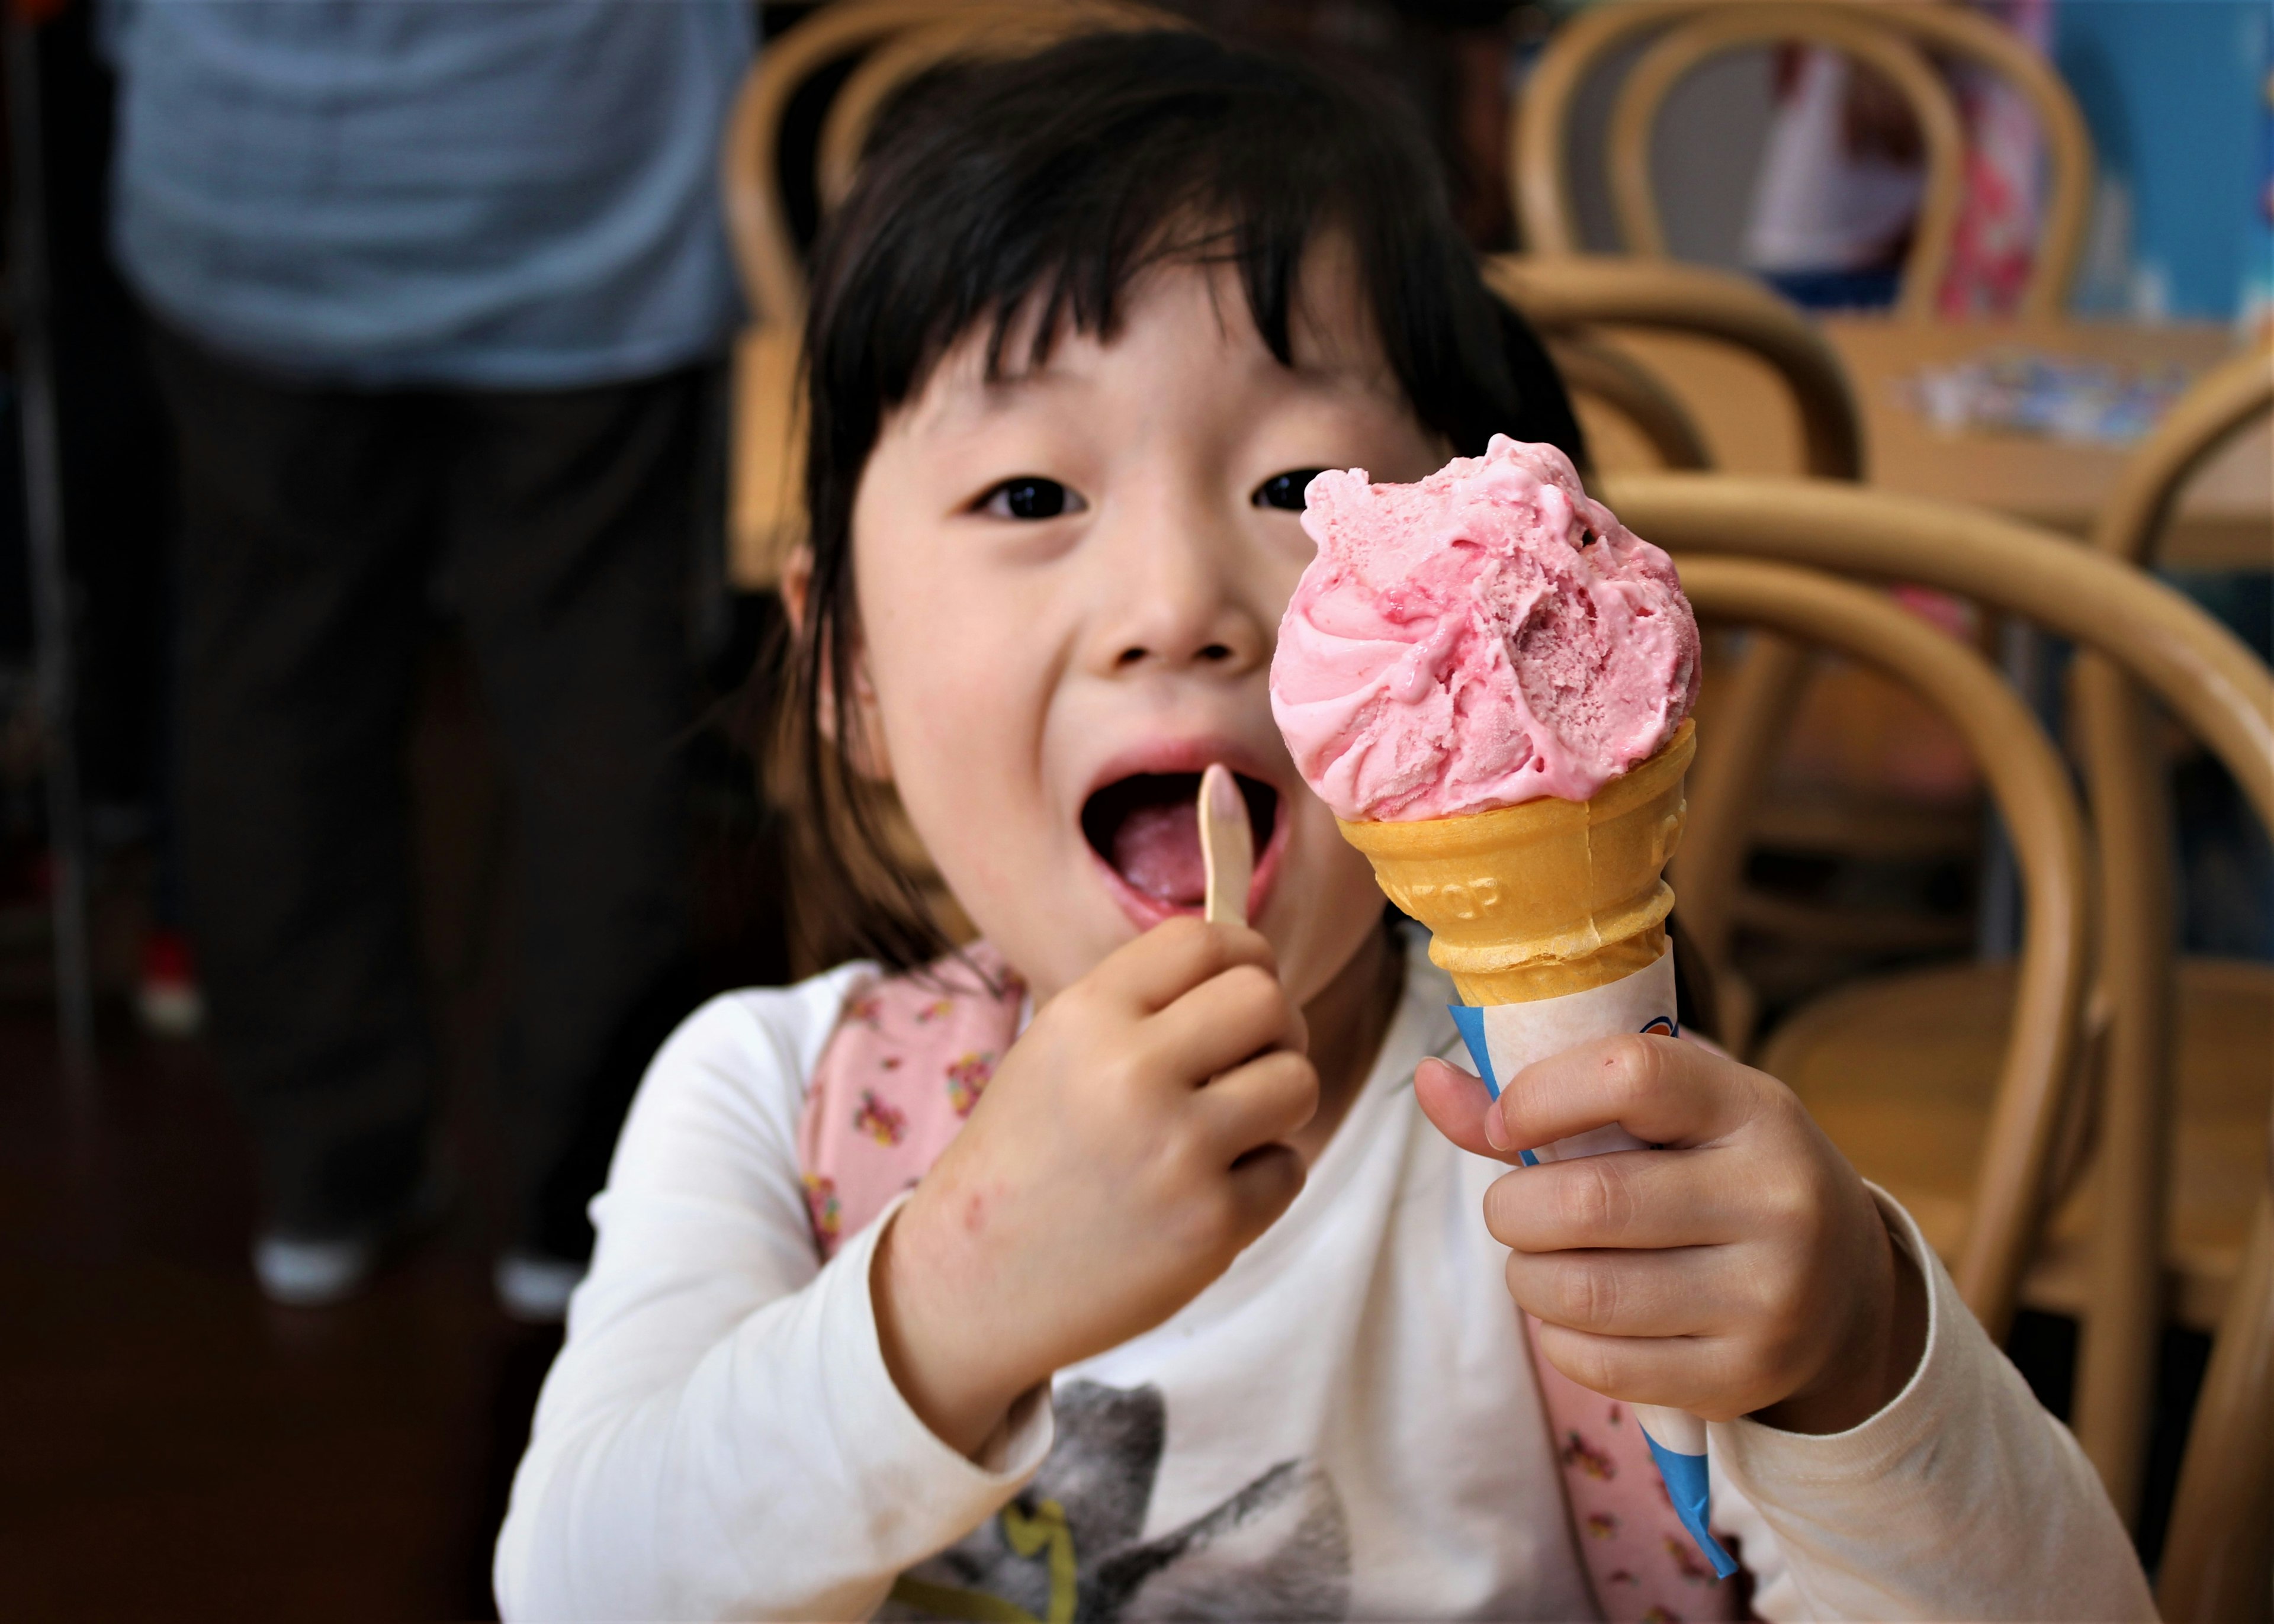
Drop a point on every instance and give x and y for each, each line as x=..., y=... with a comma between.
x=2116, y=1367
x=2219, y=1559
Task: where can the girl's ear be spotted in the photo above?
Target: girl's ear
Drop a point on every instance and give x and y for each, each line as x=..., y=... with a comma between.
x=797, y=586
x=865, y=748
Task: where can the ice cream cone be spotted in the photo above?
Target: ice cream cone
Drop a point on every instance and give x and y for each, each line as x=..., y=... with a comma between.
x=1548, y=897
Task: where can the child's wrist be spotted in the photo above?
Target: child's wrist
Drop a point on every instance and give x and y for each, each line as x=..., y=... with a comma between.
x=959, y=1387
x=1872, y=1364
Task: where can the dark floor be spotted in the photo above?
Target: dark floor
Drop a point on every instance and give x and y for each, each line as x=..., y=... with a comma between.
x=178, y=1447
x=175, y=1447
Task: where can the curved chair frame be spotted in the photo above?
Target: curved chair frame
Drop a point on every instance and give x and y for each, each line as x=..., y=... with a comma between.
x=757, y=219
x=1589, y=366
x=2031, y=787
x=2117, y=1354
x=1566, y=292
x=2197, y=668
x=1540, y=159
x=1685, y=48
x=977, y=33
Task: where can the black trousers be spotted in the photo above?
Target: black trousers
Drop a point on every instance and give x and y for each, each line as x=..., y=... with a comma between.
x=316, y=522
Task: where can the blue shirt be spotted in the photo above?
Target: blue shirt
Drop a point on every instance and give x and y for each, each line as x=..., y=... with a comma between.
x=497, y=194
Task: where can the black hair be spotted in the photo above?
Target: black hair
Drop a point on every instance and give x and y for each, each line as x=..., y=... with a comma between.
x=1024, y=197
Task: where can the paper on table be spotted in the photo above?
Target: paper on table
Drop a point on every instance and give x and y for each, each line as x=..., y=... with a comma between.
x=1503, y=1039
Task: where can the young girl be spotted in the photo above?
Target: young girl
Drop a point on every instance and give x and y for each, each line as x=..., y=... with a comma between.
x=1188, y=1311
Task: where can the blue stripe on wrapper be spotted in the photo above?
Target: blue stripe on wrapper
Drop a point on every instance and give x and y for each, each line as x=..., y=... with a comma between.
x=1686, y=1485
x=1471, y=1020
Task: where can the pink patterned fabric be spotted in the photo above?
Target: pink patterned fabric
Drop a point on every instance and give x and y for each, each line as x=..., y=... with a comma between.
x=909, y=1059
x=1642, y=1562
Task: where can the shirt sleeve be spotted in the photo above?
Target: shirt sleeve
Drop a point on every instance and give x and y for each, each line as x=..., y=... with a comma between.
x=1962, y=1499
x=720, y=1437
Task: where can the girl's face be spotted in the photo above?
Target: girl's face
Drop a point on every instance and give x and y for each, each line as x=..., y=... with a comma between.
x=1069, y=582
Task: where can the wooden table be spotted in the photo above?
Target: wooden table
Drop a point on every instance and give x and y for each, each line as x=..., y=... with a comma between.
x=2226, y=519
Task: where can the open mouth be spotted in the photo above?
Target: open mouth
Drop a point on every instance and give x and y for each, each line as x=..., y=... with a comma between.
x=1146, y=828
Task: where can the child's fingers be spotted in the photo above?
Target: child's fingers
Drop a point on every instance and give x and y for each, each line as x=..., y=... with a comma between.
x=1459, y=1106
x=1222, y=1022
x=1264, y=1184
x=1680, y=1372
x=1268, y=1100
x=1178, y=955
x=1615, y=1293
x=1644, y=1199
x=1660, y=1089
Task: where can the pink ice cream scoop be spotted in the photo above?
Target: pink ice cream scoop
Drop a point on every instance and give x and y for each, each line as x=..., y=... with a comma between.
x=1486, y=636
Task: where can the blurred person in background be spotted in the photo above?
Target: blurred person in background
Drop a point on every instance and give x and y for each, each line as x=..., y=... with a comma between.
x=435, y=294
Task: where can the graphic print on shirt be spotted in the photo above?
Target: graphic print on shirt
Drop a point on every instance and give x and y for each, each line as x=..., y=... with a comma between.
x=1068, y=1549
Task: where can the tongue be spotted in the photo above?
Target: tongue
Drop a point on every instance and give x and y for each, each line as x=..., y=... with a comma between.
x=1158, y=850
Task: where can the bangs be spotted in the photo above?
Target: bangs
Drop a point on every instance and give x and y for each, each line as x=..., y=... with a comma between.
x=1023, y=199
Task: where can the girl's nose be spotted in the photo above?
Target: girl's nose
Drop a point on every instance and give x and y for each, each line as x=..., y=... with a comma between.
x=1171, y=596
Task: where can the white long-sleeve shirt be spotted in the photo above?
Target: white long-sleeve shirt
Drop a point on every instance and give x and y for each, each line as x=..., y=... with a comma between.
x=1345, y=1426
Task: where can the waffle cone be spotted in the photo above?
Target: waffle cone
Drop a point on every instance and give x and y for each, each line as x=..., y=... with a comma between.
x=1549, y=897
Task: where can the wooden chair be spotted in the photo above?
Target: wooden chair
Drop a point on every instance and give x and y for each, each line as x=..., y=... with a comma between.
x=2218, y=1558
x=1844, y=1054
x=1897, y=40
x=1578, y=297
x=2030, y=788
x=2190, y=1046
x=1581, y=299
x=765, y=514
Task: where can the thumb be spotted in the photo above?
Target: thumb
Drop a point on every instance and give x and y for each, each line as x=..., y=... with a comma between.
x=1462, y=1109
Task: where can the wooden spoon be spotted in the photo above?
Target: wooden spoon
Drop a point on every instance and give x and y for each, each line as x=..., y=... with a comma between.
x=1227, y=845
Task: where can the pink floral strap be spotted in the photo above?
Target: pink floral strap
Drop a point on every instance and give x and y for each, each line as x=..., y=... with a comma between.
x=911, y=1056
x=908, y=1060
x=1642, y=1562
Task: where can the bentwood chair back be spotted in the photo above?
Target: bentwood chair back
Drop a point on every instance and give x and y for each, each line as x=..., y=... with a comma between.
x=1579, y=296
x=1985, y=1154
x=2189, y=1053
x=1577, y=302
x=1901, y=41
x=2218, y=1556
x=2030, y=788
x=886, y=43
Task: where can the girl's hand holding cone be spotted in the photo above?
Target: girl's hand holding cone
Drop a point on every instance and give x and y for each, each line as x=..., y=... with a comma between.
x=1742, y=1269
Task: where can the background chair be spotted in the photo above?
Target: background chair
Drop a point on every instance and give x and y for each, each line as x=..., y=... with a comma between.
x=1589, y=307
x=2190, y=1054
x=1590, y=297
x=2030, y=788
x=1902, y=35
x=1847, y=1056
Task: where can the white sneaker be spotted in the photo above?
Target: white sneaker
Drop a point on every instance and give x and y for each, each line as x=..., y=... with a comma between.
x=534, y=1288
x=302, y=1273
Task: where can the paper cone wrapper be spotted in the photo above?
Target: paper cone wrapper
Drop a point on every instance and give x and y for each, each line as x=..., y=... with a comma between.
x=1546, y=898
x=1551, y=919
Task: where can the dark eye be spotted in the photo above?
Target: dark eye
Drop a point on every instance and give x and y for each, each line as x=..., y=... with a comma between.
x=1285, y=491
x=1029, y=498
